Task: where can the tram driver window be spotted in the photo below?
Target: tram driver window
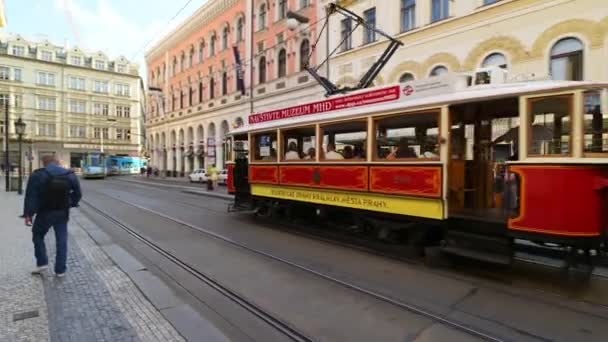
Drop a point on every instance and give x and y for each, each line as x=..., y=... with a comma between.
x=550, y=122
x=344, y=141
x=596, y=124
x=299, y=144
x=265, y=146
x=408, y=136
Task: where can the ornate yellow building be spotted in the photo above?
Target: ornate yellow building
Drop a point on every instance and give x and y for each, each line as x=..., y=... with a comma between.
x=532, y=39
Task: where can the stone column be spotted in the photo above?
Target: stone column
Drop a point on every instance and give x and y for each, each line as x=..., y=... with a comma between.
x=179, y=154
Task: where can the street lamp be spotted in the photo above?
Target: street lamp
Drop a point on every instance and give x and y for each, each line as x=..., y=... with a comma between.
x=20, y=130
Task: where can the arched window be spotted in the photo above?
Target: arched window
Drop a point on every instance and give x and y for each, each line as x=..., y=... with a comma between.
x=224, y=83
x=567, y=60
x=181, y=99
x=406, y=77
x=201, y=51
x=174, y=71
x=262, y=70
x=282, y=9
x=191, y=57
x=225, y=37
x=495, y=59
x=304, y=54
x=190, y=96
x=211, y=88
x=439, y=70
x=182, y=62
x=200, y=91
x=262, y=17
x=282, y=63
x=239, y=29
x=212, y=45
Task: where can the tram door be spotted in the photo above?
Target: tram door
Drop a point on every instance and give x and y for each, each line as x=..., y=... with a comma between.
x=483, y=138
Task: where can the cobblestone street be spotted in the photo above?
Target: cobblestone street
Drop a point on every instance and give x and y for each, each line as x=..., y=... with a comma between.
x=96, y=301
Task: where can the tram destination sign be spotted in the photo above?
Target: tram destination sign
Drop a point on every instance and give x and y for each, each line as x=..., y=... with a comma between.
x=375, y=96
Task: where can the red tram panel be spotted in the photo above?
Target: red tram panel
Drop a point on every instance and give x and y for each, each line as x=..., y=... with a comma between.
x=568, y=201
x=347, y=177
x=264, y=174
x=230, y=180
x=422, y=181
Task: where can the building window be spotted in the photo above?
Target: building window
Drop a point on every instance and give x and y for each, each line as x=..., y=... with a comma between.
x=46, y=56
x=567, y=60
x=212, y=45
x=78, y=131
x=18, y=75
x=76, y=60
x=46, y=103
x=262, y=17
x=201, y=51
x=123, y=90
x=304, y=54
x=440, y=10
x=191, y=58
x=408, y=15
x=265, y=146
x=4, y=100
x=489, y=2
x=121, y=68
x=101, y=109
x=282, y=9
x=282, y=71
x=262, y=70
x=105, y=132
x=97, y=132
x=495, y=60
x=239, y=29
x=346, y=34
x=344, y=141
x=174, y=69
x=224, y=83
x=370, y=19
x=211, y=88
x=19, y=51
x=123, y=134
x=102, y=87
x=225, y=34
x=406, y=77
x=76, y=83
x=5, y=73
x=200, y=92
x=304, y=3
x=46, y=78
x=182, y=62
x=18, y=101
x=412, y=135
x=101, y=65
x=181, y=99
x=595, y=124
x=47, y=129
x=550, y=126
x=77, y=106
x=438, y=70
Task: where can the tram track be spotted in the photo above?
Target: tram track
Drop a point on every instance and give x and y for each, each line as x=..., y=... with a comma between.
x=275, y=322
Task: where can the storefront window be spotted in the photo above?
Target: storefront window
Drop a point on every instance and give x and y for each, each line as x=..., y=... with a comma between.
x=408, y=136
x=265, y=146
x=595, y=124
x=344, y=141
x=299, y=144
x=550, y=121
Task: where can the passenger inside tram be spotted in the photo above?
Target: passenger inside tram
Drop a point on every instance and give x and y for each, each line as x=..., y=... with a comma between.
x=331, y=153
x=410, y=136
x=344, y=141
x=311, y=154
x=297, y=142
x=292, y=152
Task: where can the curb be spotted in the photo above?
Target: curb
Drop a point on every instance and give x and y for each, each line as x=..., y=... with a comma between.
x=209, y=194
x=184, y=189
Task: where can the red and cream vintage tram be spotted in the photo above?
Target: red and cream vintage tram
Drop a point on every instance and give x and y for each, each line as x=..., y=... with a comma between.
x=475, y=166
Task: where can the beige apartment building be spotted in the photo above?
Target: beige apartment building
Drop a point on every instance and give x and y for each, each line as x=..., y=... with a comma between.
x=531, y=39
x=72, y=101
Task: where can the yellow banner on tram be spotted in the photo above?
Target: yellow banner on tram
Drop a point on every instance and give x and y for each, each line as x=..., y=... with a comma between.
x=401, y=205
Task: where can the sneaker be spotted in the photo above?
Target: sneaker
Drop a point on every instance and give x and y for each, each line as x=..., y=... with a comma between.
x=40, y=269
x=60, y=275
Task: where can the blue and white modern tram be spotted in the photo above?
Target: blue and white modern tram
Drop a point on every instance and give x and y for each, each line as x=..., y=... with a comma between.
x=94, y=165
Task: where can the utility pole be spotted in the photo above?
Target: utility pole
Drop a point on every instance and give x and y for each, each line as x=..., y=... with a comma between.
x=7, y=167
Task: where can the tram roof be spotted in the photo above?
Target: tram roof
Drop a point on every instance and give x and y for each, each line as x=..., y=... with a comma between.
x=468, y=94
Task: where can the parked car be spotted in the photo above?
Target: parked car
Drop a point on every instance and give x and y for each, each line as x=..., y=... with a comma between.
x=198, y=175
x=222, y=177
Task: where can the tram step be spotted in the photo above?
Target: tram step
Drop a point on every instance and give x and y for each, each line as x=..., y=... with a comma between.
x=493, y=249
x=493, y=258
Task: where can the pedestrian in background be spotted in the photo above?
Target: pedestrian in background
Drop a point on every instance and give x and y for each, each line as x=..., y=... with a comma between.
x=212, y=177
x=51, y=192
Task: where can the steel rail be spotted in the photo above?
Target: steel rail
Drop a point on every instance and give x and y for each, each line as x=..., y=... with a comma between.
x=408, y=307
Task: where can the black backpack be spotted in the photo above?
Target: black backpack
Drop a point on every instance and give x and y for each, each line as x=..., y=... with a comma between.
x=56, y=195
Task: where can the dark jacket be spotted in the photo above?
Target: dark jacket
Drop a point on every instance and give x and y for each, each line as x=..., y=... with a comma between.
x=36, y=186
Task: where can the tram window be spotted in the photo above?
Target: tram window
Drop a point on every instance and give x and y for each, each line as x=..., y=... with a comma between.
x=265, y=146
x=299, y=144
x=596, y=124
x=408, y=136
x=550, y=126
x=344, y=141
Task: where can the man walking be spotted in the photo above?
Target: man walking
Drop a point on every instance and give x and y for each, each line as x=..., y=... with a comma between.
x=51, y=192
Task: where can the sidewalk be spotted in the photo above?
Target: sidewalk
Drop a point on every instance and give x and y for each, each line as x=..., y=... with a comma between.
x=96, y=301
x=221, y=191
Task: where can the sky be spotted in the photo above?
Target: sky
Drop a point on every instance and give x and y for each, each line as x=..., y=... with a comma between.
x=116, y=27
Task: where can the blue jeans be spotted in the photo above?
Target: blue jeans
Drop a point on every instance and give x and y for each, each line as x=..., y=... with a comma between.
x=42, y=224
